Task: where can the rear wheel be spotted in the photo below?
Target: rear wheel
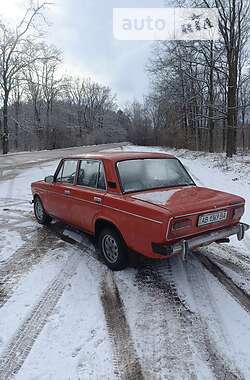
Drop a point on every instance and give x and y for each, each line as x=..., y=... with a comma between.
x=113, y=249
x=40, y=213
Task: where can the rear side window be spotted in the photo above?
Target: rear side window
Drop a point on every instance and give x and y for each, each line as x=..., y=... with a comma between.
x=91, y=174
x=67, y=172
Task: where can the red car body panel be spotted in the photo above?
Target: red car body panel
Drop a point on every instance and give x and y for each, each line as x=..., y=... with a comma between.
x=143, y=217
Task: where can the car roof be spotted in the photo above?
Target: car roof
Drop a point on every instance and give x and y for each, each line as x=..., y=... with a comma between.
x=120, y=156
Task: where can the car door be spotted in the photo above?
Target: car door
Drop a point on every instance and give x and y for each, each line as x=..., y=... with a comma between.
x=59, y=201
x=88, y=193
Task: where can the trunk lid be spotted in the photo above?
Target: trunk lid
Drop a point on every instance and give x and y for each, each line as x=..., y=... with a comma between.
x=184, y=200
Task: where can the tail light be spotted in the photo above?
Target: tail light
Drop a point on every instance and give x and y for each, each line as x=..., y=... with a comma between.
x=238, y=212
x=182, y=224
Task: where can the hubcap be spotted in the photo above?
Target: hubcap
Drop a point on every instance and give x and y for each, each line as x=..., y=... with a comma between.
x=39, y=210
x=110, y=248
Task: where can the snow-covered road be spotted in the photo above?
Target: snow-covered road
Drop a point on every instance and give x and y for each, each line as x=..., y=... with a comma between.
x=64, y=315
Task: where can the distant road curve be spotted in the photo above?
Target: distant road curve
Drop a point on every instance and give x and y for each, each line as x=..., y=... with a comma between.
x=11, y=164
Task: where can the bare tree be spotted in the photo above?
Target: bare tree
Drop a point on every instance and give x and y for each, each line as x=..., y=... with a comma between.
x=198, y=84
x=234, y=28
x=75, y=94
x=17, y=51
x=33, y=84
x=16, y=100
x=244, y=106
x=43, y=85
x=51, y=83
x=91, y=101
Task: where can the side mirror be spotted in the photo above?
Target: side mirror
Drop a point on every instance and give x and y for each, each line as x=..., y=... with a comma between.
x=49, y=179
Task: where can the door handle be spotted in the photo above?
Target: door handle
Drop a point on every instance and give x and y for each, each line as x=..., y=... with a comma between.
x=97, y=200
x=67, y=192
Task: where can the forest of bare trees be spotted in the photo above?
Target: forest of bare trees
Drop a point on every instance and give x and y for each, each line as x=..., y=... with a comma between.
x=200, y=95
x=199, y=98
x=42, y=109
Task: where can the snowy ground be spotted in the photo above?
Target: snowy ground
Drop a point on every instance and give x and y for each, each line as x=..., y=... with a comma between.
x=64, y=316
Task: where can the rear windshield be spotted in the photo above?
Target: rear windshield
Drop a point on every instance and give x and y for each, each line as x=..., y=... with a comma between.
x=146, y=174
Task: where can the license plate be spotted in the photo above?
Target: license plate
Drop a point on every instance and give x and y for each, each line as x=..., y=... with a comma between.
x=213, y=217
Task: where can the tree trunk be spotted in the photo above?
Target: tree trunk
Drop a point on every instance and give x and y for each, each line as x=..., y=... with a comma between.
x=47, y=128
x=17, y=108
x=5, y=123
x=243, y=128
x=224, y=128
x=79, y=120
x=211, y=101
x=231, y=110
x=211, y=120
x=16, y=136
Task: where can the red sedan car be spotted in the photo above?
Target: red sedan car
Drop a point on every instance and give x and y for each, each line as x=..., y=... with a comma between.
x=144, y=203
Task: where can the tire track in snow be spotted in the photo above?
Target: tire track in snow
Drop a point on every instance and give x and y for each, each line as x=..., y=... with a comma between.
x=219, y=363
x=247, y=239
x=21, y=262
x=182, y=340
x=236, y=292
x=12, y=218
x=237, y=267
x=232, y=251
x=31, y=253
x=12, y=202
x=22, y=342
x=126, y=362
x=162, y=324
x=90, y=250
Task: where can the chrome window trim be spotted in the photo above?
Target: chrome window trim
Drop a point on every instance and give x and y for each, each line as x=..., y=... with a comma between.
x=151, y=158
x=60, y=166
x=91, y=187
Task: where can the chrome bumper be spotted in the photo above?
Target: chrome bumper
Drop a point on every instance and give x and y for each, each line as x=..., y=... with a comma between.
x=184, y=246
x=208, y=238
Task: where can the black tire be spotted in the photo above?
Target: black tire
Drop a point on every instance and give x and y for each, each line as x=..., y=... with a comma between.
x=40, y=213
x=113, y=249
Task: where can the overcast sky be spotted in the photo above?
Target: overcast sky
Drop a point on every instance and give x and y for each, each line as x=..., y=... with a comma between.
x=83, y=30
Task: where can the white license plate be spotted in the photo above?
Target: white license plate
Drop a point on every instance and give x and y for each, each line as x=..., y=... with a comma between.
x=213, y=217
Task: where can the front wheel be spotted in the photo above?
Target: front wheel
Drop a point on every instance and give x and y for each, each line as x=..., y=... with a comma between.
x=40, y=213
x=113, y=249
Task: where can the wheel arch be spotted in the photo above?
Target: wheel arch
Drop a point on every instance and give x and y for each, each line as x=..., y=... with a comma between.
x=101, y=223
x=36, y=195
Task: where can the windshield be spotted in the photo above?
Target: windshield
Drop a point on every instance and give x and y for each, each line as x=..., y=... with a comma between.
x=152, y=173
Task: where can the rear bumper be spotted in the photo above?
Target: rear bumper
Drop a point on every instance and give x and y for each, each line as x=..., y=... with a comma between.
x=183, y=246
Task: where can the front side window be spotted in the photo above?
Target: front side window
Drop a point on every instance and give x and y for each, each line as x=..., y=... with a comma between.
x=67, y=172
x=91, y=174
x=152, y=173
